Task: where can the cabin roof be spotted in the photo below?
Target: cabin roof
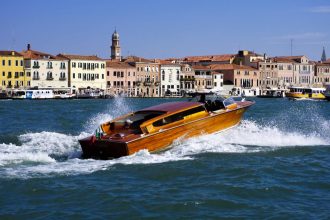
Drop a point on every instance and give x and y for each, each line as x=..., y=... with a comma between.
x=171, y=107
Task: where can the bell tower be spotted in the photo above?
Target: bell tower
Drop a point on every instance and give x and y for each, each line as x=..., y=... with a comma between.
x=115, y=47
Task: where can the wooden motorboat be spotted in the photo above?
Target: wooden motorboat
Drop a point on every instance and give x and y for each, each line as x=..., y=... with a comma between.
x=156, y=127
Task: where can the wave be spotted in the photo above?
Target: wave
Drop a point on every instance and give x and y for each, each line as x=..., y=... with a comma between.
x=47, y=154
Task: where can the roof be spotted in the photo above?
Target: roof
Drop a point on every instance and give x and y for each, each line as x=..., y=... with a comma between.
x=282, y=60
x=135, y=59
x=79, y=57
x=230, y=67
x=214, y=58
x=327, y=61
x=171, y=107
x=9, y=53
x=33, y=54
x=118, y=64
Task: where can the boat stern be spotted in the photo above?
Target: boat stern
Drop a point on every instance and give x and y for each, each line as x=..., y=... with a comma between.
x=102, y=148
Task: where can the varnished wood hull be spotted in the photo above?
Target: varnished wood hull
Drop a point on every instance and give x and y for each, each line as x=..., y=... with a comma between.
x=108, y=148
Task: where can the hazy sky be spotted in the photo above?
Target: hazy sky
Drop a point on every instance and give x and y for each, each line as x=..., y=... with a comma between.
x=167, y=28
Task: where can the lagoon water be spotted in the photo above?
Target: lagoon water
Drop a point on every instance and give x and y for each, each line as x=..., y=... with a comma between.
x=275, y=164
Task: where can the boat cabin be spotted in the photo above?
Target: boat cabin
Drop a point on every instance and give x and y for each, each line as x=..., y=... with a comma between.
x=165, y=116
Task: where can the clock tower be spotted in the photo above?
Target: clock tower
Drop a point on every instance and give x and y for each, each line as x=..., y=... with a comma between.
x=115, y=47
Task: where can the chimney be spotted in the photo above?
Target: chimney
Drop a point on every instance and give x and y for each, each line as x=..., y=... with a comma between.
x=28, y=47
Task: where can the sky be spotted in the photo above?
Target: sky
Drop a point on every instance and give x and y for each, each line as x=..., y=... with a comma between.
x=167, y=28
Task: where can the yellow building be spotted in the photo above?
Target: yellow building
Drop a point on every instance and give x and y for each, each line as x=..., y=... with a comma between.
x=12, y=71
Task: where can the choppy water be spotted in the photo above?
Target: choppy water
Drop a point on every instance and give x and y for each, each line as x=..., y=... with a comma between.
x=275, y=164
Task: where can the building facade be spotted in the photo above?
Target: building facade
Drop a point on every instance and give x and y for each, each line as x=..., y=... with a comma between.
x=187, y=79
x=12, y=74
x=170, y=79
x=147, y=76
x=121, y=79
x=322, y=74
x=85, y=72
x=46, y=70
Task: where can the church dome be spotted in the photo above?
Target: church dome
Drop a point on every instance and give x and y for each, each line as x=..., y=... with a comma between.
x=115, y=35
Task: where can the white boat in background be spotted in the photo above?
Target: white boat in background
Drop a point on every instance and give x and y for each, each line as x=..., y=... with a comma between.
x=33, y=94
x=64, y=94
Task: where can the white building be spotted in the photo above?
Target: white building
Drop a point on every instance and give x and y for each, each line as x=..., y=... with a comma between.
x=46, y=70
x=170, y=79
x=217, y=79
x=86, y=72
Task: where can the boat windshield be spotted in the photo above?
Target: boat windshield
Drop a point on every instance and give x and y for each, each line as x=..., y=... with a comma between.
x=137, y=118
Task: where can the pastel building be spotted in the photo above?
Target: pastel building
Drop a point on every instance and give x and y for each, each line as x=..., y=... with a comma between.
x=187, y=79
x=45, y=70
x=303, y=70
x=147, y=76
x=85, y=72
x=12, y=71
x=322, y=74
x=121, y=78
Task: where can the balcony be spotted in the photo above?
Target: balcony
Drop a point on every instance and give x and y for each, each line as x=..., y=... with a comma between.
x=148, y=82
x=9, y=76
x=49, y=78
x=36, y=78
x=49, y=67
x=138, y=83
x=187, y=79
x=16, y=76
x=62, y=68
x=62, y=78
x=36, y=67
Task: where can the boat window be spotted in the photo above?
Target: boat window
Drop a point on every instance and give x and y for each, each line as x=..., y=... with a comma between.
x=178, y=116
x=228, y=101
x=136, y=119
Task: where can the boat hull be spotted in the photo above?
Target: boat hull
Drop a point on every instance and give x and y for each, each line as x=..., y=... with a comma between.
x=108, y=148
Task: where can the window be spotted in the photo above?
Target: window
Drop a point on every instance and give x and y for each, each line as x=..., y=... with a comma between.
x=177, y=75
x=163, y=75
x=73, y=75
x=102, y=76
x=16, y=62
x=3, y=73
x=3, y=62
x=73, y=64
x=21, y=62
x=9, y=62
x=108, y=73
x=177, y=117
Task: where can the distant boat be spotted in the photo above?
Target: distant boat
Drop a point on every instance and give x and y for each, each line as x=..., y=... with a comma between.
x=33, y=94
x=156, y=127
x=272, y=93
x=305, y=93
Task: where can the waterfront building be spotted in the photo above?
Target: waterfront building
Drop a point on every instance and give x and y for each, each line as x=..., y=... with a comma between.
x=45, y=70
x=121, y=78
x=217, y=78
x=322, y=74
x=203, y=78
x=147, y=76
x=187, y=79
x=12, y=71
x=170, y=79
x=303, y=70
x=115, y=47
x=209, y=59
x=239, y=79
x=85, y=72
